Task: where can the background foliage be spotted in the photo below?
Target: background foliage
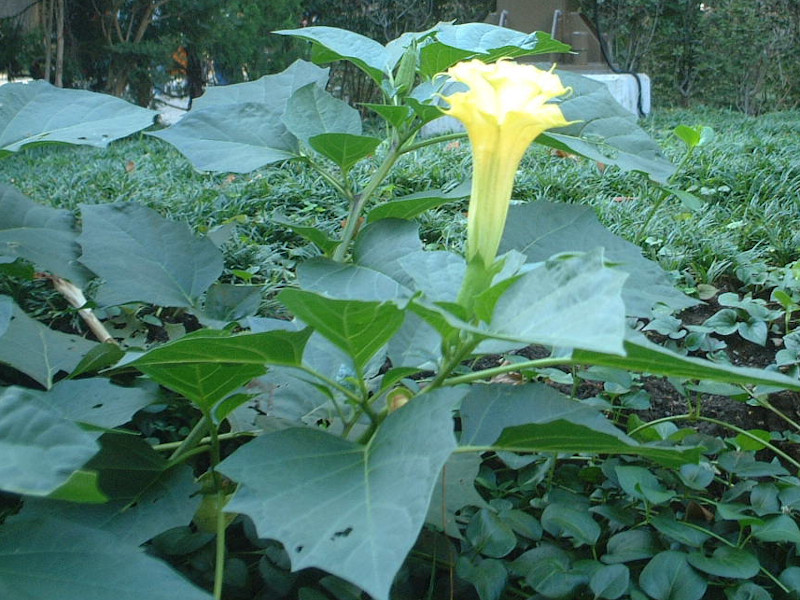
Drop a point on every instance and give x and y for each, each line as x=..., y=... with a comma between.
x=737, y=54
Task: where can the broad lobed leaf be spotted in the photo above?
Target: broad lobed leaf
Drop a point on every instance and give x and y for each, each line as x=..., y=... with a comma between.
x=352, y=510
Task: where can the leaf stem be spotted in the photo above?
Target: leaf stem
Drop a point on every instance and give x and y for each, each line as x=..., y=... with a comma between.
x=503, y=369
x=739, y=430
x=769, y=406
x=206, y=440
x=460, y=135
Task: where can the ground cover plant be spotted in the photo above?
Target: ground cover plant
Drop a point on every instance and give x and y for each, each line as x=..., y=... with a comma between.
x=340, y=450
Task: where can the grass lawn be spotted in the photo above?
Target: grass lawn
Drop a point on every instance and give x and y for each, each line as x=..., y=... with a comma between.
x=748, y=179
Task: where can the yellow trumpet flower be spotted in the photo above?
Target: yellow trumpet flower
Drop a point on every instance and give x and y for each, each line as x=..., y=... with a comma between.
x=504, y=110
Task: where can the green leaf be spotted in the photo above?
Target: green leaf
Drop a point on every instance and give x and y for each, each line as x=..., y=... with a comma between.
x=313, y=234
x=382, y=244
x=744, y=464
x=454, y=490
x=99, y=357
x=543, y=229
x=733, y=563
x=563, y=520
x=40, y=448
x=547, y=570
x=454, y=43
x=352, y=510
x=273, y=91
x=359, y=328
x=39, y=352
x=239, y=128
x=413, y=205
x=748, y=591
x=537, y=418
x=416, y=344
x=236, y=138
x=81, y=487
x=169, y=500
x=790, y=577
x=573, y=302
x=610, y=581
x=754, y=331
x=604, y=131
x=642, y=484
x=437, y=274
x=396, y=115
x=697, y=477
x=694, y=136
x=172, y=266
x=668, y=576
x=488, y=576
x=96, y=402
x=348, y=281
x=312, y=111
x=679, y=531
x=645, y=356
x=47, y=558
x=630, y=545
x=688, y=199
x=343, y=148
x=37, y=112
x=782, y=528
x=489, y=535
x=764, y=499
x=40, y=234
x=207, y=366
x=227, y=303
x=331, y=44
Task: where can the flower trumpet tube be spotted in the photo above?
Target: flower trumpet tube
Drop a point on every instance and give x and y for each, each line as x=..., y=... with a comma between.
x=505, y=108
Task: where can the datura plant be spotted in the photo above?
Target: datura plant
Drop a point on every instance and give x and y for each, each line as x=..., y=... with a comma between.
x=343, y=433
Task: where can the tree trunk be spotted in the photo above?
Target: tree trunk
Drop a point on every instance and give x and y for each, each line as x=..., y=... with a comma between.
x=59, y=80
x=47, y=40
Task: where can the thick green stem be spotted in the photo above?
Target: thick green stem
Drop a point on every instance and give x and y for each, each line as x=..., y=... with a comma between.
x=360, y=200
x=664, y=195
x=193, y=439
x=219, y=505
x=219, y=555
x=477, y=279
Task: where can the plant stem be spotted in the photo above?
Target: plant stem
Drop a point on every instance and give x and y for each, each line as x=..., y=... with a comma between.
x=664, y=195
x=359, y=201
x=503, y=369
x=193, y=439
x=332, y=181
x=739, y=430
x=219, y=557
x=206, y=440
x=435, y=140
x=769, y=406
x=465, y=347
